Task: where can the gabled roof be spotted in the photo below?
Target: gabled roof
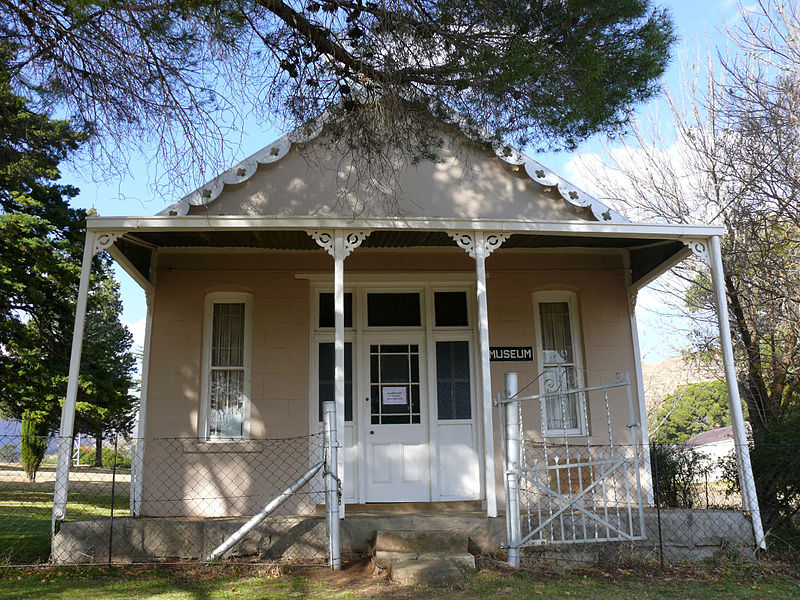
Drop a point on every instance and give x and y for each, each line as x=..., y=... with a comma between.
x=715, y=436
x=516, y=163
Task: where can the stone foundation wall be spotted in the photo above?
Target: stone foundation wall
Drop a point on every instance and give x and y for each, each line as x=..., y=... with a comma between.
x=687, y=535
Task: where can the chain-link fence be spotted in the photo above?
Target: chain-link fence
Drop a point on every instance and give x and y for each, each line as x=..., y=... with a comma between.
x=162, y=500
x=586, y=510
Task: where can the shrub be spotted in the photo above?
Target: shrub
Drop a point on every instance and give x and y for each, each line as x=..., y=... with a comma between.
x=33, y=441
x=776, y=468
x=676, y=470
x=107, y=457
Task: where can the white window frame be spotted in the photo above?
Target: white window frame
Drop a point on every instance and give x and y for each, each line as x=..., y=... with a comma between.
x=571, y=299
x=205, y=396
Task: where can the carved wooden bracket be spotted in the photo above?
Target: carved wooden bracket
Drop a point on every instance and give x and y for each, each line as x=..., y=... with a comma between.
x=699, y=247
x=326, y=238
x=483, y=243
x=104, y=240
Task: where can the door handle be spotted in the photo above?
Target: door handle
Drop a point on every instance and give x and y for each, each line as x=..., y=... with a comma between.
x=372, y=433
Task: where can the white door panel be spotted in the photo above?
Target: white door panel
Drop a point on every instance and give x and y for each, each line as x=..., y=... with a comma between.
x=395, y=421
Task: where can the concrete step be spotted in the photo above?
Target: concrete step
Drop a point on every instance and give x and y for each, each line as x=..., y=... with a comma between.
x=424, y=557
x=421, y=541
x=426, y=572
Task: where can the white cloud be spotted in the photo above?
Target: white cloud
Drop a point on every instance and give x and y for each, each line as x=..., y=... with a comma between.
x=137, y=331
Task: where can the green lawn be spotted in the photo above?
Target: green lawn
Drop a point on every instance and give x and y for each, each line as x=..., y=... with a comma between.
x=358, y=583
x=26, y=508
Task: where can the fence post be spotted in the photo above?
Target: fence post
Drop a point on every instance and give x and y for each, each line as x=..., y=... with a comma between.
x=113, y=498
x=512, y=465
x=332, y=484
x=656, y=496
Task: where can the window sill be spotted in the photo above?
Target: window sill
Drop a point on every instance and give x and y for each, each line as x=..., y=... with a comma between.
x=221, y=447
x=561, y=434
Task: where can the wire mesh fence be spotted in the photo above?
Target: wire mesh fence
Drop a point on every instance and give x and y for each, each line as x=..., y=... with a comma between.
x=175, y=500
x=161, y=500
x=578, y=512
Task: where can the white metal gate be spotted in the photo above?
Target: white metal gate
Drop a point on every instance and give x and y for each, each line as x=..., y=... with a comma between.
x=581, y=486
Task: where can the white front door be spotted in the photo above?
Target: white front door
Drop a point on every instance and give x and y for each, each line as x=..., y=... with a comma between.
x=395, y=419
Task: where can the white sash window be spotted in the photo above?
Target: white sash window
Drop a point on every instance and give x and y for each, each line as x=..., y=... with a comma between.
x=559, y=356
x=227, y=336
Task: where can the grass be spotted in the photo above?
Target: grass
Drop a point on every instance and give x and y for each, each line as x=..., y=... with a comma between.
x=26, y=509
x=357, y=582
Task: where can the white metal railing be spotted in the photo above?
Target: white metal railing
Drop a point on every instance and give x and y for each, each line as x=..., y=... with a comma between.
x=570, y=489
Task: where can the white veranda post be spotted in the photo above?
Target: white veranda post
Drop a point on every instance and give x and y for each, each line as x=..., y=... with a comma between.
x=94, y=243
x=339, y=244
x=479, y=245
x=137, y=466
x=746, y=480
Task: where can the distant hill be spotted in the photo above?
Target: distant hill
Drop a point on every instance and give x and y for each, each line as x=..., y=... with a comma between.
x=9, y=434
x=662, y=378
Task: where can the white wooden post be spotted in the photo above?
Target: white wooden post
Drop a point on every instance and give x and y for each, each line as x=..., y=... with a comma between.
x=479, y=245
x=137, y=468
x=339, y=244
x=338, y=346
x=637, y=359
x=68, y=408
x=94, y=243
x=747, y=482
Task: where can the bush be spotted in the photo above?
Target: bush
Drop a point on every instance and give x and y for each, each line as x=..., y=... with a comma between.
x=33, y=441
x=776, y=469
x=676, y=470
x=9, y=453
x=107, y=457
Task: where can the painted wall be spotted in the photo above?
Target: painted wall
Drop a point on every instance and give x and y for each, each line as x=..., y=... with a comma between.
x=319, y=182
x=177, y=469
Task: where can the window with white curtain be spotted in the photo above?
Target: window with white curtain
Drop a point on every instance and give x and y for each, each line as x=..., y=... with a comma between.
x=558, y=352
x=226, y=366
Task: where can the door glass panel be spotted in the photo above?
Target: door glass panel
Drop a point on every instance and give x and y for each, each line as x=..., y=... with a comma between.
x=327, y=381
x=450, y=309
x=393, y=310
x=453, y=381
x=326, y=310
x=394, y=384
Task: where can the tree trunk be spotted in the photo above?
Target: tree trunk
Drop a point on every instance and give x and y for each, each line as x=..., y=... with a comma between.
x=98, y=449
x=753, y=389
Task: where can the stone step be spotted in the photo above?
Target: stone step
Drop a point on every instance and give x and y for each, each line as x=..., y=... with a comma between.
x=385, y=558
x=428, y=571
x=421, y=541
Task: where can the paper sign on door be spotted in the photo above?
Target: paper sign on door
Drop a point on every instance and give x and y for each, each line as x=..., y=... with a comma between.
x=395, y=395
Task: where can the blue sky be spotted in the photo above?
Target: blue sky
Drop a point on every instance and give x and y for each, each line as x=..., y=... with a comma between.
x=696, y=22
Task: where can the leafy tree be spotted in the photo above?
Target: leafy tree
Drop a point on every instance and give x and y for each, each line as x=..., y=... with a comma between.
x=41, y=243
x=40, y=249
x=691, y=409
x=734, y=160
x=180, y=73
x=33, y=441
